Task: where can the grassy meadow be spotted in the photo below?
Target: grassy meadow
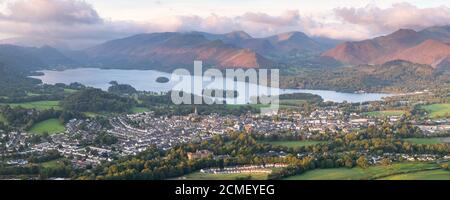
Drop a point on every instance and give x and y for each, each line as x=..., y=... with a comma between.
x=38, y=105
x=51, y=126
x=438, y=110
x=3, y=119
x=437, y=140
x=385, y=113
x=411, y=170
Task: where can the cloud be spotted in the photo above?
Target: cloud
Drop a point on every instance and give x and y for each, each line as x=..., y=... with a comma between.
x=75, y=20
x=288, y=18
x=400, y=15
x=212, y=23
x=262, y=24
x=52, y=11
x=69, y=20
x=337, y=31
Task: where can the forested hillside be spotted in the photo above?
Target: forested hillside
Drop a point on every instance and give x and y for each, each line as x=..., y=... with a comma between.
x=394, y=76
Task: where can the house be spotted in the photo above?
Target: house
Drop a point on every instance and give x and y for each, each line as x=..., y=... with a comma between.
x=248, y=128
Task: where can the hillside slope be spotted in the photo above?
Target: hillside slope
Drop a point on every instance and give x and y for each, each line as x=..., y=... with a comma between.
x=428, y=46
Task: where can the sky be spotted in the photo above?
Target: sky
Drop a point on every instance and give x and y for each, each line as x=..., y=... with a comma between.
x=150, y=9
x=80, y=21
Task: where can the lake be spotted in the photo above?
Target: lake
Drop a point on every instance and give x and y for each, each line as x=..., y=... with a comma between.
x=145, y=80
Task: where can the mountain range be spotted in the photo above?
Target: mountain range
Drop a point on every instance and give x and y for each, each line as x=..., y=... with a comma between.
x=173, y=50
x=168, y=50
x=234, y=49
x=32, y=58
x=429, y=46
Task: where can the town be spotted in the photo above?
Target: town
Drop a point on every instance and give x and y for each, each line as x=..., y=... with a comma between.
x=131, y=134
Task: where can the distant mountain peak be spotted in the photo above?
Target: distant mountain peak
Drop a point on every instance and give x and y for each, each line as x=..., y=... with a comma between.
x=238, y=35
x=425, y=47
x=408, y=35
x=291, y=35
x=33, y=57
x=430, y=52
x=186, y=39
x=166, y=51
x=403, y=31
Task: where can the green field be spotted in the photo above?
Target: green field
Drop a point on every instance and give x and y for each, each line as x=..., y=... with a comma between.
x=438, y=110
x=256, y=106
x=39, y=105
x=293, y=143
x=52, y=164
x=438, y=174
x=3, y=119
x=292, y=102
x=32, y=94
x=139, y=109
x=51, y=126
x=374, y=172
x=92, y=114
x=100, y=114
x=205, y=176
x=428, y=140
x=385, y=113
x=70, y=91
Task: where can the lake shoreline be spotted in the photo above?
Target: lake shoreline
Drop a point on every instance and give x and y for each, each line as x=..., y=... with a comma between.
x=144, y=80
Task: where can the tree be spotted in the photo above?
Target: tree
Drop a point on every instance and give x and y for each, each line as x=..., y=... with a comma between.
x=348, y=162
x=95, y=100
x=386, y=162
x=445, y=166
x=121, y=89
x=362, y=162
